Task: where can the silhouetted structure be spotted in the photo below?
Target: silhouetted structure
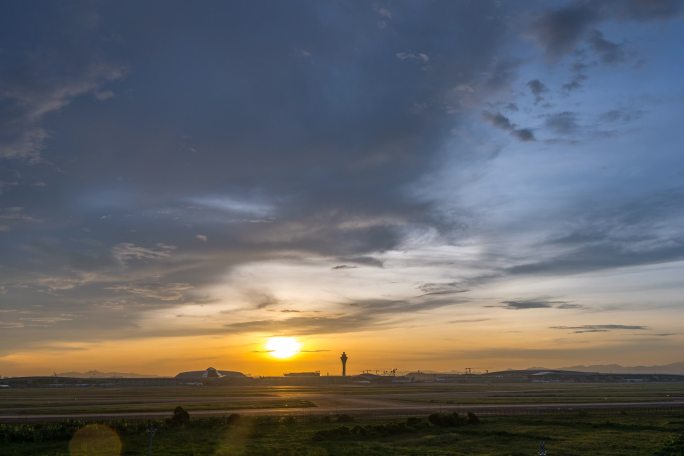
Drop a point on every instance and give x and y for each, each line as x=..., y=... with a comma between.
x=302, y=374
x=212, y=373
x=344, y=358
x=209, y=373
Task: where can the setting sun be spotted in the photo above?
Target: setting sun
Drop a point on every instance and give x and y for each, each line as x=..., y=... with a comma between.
x=283, y=347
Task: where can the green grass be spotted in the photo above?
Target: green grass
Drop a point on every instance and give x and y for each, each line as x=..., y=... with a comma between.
x=568, y=434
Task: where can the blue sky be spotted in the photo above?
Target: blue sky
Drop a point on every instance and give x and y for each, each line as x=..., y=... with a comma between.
x=507, y=172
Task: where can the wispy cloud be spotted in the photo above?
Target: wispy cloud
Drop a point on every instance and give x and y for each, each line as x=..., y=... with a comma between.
x=524, y=304
x=32, y=89
x=502, y=122
x=127, y=251
x=538, y=89
x=358, y=315
x=155, y=291
x=600, y=328
x=442, y=288
x=234, y=205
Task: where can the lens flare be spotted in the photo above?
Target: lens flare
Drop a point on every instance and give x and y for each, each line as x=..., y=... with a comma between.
x=283, y=347
x=95, y=440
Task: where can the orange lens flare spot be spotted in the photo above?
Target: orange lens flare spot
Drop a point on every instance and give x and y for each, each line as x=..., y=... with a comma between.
x=95, y=440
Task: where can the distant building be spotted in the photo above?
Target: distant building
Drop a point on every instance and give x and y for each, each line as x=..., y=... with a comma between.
x=419, y=376
x=210, y=372
x=302, y=374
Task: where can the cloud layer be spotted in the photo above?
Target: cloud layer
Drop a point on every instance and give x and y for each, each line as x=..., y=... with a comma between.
x=319, y=168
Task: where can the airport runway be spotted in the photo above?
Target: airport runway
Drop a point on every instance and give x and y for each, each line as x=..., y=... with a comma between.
x=362, y=407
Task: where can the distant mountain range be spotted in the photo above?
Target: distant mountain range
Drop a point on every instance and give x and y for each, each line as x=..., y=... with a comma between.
x=674, y=368
x=98, y=374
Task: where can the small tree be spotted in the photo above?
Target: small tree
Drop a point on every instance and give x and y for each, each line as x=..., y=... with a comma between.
x=180, y=416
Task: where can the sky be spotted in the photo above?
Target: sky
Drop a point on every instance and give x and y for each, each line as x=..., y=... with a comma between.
x=424, y=185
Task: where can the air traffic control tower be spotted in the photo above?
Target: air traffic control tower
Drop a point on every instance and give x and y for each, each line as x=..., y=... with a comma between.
x=344, y=358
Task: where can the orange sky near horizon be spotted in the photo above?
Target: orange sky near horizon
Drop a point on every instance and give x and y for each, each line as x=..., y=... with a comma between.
x=436, y=349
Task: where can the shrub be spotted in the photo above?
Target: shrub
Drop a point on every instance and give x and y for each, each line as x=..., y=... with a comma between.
x=266, y=420
x=473, y=419
x=180, y=416
x=360, y=431
x=233, y=418
x=368, y=431
x=344, y=418
x=414, y=421
x=335, y=433
x=314, y=419
x=447, y=419
x=288, y=420
x=673, y=448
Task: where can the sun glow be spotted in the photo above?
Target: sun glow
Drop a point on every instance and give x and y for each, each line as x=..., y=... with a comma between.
x=283, y=347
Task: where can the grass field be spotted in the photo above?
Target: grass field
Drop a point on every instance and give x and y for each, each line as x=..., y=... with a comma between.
x=576, y=433
x=319, y=424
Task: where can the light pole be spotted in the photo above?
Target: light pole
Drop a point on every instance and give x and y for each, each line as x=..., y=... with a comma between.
x=151, y=430
x=542, y=449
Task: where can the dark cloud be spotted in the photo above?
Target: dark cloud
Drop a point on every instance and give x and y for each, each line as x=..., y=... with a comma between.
x=364, y=261
x=524, y=304
x=523, y=134
x=359, y=315
x=501, y=74
x=578, y=71
x=40, y=81
x=143, y=162
x=12, y=217
x=386, y=307
x=469, y=320
x=306, y=325
x=567, y=128
x=562, y=123
x=538, y=89
x=502, y=122
x=126, y=251
x=601, y=255
x=608, y=51
x=299, y=137
x=155, y=291
x=442, y=288
x=499, y=121
x=262, y=300
x=553, y=354
x=600, y=328
x=621, y=115
x=616, y=235
x=645, y=10
x=559, y=30
x=330, y=140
